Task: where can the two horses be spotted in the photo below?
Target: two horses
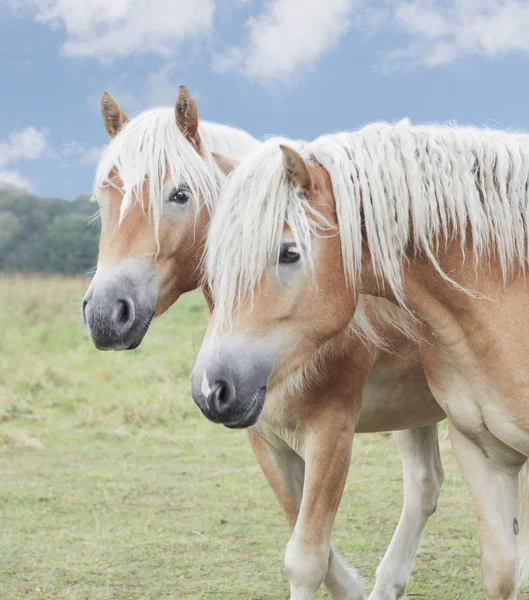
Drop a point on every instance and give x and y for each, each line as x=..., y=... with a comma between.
x=319, y=361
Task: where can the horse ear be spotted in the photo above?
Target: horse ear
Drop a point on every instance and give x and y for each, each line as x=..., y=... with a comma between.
x=296, y=168
x=225, y=164
x=113, y=117
x=186, y=113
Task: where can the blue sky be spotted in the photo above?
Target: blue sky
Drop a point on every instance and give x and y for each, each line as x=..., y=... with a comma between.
x=294, y=67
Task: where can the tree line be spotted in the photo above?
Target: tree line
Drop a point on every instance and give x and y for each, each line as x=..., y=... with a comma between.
x=47, y=235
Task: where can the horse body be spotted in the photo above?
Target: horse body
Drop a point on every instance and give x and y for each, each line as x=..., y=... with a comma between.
x=434, y=220
x=156, y=186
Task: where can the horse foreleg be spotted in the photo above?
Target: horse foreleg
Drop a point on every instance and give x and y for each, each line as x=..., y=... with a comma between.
x=285, y=472
x=308, y=555
x=422, y=474
x=494, y=490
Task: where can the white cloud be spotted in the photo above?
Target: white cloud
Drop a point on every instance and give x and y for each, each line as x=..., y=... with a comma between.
x=28, y=143
x=288, y=36
x=85, y=155
x=15, y=179
x=162, y=87
x=285, y=37
x=108, y=29
x=444, y=32
x=72, y=149
x=92, y=155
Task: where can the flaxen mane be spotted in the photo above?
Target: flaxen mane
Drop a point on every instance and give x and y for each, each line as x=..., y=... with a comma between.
x=438, y=182
x=151, y=147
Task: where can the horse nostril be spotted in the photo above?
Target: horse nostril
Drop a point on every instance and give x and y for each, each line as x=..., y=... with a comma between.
x=83, y=310
x=123, y=312
x=220, y=396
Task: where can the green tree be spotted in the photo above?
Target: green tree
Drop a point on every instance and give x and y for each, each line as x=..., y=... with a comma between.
x=46, y=235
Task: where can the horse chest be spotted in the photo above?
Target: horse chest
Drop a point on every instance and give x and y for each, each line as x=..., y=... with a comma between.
x=281, y=424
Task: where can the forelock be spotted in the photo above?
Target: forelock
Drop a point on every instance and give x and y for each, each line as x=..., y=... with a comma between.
x=257, y=202
x=149, y=150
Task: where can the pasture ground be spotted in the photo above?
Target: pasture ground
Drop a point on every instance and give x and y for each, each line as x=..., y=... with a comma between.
x=113, y=486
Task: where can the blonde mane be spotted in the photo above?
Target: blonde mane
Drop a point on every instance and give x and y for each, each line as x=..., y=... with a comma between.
x=407, y=185
x=150, y=148
x=246, y=231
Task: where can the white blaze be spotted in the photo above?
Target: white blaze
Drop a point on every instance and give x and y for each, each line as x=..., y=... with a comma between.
x=206, y=390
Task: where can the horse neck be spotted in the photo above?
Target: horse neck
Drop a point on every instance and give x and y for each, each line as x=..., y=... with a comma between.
x=455, y=296
x=328, y=360
x=355, y=345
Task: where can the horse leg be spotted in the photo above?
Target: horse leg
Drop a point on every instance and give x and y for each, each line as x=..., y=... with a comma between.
x=285, y=472
x=422, y=473
x=307, y=556
x=495, y=492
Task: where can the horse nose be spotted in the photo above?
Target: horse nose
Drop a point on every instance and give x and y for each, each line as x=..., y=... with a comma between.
x=221, y=398
x=108, y=321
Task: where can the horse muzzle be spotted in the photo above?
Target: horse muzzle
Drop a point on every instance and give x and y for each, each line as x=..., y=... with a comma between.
x=117, y=310
x=229, y=386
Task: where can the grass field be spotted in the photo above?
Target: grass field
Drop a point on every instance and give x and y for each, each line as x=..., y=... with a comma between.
x=112, y=485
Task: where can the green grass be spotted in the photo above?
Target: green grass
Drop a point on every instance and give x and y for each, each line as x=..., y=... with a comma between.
x=112, y=485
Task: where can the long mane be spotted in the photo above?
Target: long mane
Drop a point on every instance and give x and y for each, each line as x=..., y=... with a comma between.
x=425, y=186
x=151, y=147
x=418, y=186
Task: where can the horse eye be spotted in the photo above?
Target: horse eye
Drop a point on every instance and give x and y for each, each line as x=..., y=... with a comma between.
x=179, y=196
x=289, y=254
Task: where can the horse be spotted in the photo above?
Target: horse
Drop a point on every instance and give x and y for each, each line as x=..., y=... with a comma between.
x=157, y=185
x=157, y=170
x=434, y=219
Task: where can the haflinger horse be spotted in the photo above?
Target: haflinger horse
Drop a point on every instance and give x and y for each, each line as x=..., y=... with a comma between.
x=157, y=185
x=152, y=182
x=435, y=220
